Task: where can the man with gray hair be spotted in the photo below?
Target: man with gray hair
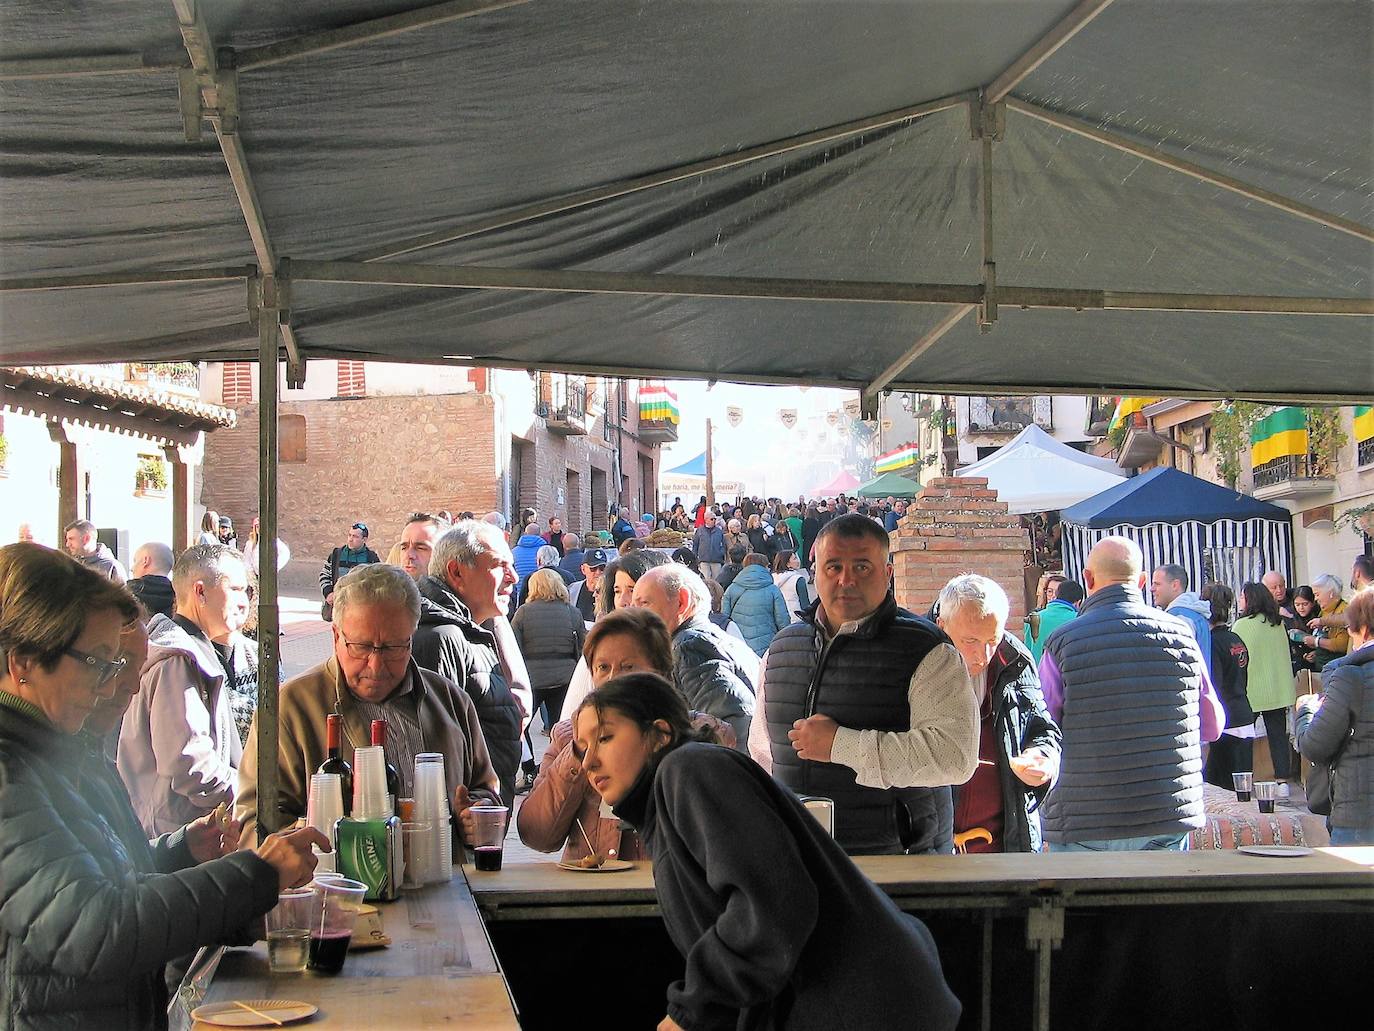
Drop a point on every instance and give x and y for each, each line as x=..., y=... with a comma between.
x=151, y=580
x=714, y=672
x=1129, y=686
x=84, y=546
x=179, y=748
x=372, y=676
x=465, y=636
x=997, y=810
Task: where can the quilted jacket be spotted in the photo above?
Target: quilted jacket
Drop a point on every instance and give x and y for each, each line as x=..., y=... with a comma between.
x=86, y=925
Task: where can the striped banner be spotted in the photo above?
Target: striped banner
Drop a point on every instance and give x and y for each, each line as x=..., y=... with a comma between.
x=897, y=458
x=1229, y=551
x=1279, y=434
x=1364, y=422
x=657, y=403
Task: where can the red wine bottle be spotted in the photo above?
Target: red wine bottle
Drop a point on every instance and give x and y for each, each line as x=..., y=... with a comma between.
x=393, y=778
x=335, y=763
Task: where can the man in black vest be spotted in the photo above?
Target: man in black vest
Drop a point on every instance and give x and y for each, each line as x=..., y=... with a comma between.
x=866, y=704
x=1129, y=686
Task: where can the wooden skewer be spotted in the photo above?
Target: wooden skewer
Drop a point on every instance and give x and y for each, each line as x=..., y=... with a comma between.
x=259, y=1013
x=590, y=849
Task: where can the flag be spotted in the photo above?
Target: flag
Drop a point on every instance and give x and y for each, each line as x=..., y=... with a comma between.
x=897, y=458
x=1364, y=422
x=657, y=403
x=1126, y=407
x=1281, y=433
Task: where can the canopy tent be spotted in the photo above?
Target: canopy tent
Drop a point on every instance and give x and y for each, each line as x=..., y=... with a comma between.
x=690, y=478
x=1036, y=473
x=1211, y=531
x=843, y=483
x=493, y=182
x=889, y=485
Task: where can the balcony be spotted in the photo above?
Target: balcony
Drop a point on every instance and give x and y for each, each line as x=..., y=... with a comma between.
x=170, y=377
x=565, y=412
x=1364, y=452
x=1296, y=476
x=657, y=431
x=1009, y=415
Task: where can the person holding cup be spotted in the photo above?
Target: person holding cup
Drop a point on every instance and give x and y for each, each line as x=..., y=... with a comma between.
x=86, y=923
x=777, y=925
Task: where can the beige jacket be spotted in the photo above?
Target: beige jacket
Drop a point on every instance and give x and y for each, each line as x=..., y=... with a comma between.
x=447, y=720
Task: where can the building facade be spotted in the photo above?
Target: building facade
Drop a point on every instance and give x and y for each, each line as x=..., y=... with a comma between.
x=374, y=441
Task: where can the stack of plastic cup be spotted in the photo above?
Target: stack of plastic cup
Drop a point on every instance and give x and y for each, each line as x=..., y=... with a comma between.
x=369, y=783
x=434, y=856
x=323, y=809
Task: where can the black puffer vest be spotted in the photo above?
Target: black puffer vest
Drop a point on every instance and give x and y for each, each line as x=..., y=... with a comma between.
x=1132, y=681
x=859, y=680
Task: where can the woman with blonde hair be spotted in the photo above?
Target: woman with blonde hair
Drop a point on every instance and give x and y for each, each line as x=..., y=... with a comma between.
x=550, y=632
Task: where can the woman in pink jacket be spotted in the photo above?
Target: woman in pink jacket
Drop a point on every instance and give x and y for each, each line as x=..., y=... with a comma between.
x=630, y=640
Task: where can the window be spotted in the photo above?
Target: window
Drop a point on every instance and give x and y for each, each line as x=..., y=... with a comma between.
x=291, y=438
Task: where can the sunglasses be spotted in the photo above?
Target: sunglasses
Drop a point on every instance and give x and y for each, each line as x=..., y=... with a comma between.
x=105, y=670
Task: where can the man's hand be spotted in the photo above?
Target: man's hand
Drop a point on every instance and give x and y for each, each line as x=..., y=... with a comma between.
x=212, y=836
x=1033, y=767
x=462, y=805
x=813, y=738
x=289, y=854
x=1315, y=623
x=1308, y=703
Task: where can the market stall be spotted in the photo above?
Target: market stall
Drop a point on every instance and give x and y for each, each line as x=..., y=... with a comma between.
x=1036, y=473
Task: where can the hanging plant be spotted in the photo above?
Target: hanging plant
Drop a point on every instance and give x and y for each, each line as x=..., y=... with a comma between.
x=1360, y=519
x=151, y=474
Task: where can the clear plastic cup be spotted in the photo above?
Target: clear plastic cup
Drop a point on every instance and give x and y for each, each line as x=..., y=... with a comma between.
x=334, y=909
x=417, y=847
x=369, y=783
x=489, y=835
x=1244, y=783
x=288, y=931
x=1266, y=792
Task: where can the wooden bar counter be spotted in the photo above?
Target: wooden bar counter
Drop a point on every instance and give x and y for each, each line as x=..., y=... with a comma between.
x=439, y=971
x=1119, y=932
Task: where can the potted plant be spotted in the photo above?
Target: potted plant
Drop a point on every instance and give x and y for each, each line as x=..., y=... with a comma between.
x=150, y=478
x=1360, y=519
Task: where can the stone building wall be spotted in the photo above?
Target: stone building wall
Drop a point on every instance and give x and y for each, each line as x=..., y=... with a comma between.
x=374, y=459
x=957, y=525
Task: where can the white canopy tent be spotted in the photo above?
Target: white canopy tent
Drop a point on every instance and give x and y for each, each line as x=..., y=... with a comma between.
x=1036, y=473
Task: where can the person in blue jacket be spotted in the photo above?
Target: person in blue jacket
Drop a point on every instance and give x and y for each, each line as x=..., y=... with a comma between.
x=756, y=605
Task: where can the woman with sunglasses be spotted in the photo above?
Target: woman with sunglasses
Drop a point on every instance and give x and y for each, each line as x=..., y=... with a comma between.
x=86, y=926
x=777, y=925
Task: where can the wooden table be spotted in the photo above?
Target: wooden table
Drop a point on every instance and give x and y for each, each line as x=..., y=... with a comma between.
x=1039, y=890
x=439, y=971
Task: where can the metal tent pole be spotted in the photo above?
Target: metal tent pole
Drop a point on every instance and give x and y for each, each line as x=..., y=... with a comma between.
x=269, y=645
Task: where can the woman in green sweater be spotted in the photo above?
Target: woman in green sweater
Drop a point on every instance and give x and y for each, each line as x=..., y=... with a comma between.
x=1269, y=683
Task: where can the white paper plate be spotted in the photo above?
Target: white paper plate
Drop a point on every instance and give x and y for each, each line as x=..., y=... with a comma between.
x=1285, y=851
x=609, y=866
x=230, y=1014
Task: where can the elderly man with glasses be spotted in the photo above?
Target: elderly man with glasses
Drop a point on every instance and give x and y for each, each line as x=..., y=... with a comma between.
x=372, y=676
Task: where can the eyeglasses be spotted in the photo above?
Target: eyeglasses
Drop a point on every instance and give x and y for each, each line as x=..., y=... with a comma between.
x=105, y=670
x=361, y=650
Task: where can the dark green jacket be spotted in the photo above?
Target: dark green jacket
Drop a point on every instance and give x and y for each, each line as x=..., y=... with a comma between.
x=86, y=925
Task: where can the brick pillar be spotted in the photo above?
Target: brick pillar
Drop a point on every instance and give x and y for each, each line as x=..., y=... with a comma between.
x=237, y=389
x=957, y=525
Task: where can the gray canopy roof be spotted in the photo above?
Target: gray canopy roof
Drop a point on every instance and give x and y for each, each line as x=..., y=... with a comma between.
x=782, y=191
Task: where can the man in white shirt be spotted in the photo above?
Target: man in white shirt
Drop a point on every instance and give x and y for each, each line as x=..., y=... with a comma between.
x=868, y=705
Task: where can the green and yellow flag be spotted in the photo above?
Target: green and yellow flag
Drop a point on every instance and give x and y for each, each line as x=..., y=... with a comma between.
x=1279, y=434
x=1364, y=422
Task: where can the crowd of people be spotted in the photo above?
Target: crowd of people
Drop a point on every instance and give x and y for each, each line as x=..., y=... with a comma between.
x=693, y=698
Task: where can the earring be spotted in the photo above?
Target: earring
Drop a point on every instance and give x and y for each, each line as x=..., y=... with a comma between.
x=23, y=680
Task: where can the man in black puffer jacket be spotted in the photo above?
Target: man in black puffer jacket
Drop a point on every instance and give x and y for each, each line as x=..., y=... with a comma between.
x=464, y=635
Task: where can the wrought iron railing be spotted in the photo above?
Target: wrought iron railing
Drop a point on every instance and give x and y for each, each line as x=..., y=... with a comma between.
x=1364, y=452
x=1288, y=468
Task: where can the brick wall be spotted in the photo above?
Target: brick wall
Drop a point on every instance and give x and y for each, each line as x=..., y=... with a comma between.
x=376, y=459
x=957, y=525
